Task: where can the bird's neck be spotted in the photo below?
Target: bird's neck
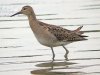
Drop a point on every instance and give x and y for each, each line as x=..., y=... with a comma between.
x=34, y=24
x=32, y=15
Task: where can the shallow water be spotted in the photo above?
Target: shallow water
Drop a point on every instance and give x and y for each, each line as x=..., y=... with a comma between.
x=20, y=52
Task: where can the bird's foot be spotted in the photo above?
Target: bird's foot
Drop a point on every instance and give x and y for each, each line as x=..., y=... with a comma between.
x=66, y=56
x=53, y=58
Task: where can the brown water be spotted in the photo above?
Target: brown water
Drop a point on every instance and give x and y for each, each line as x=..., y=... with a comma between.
x=20, y=52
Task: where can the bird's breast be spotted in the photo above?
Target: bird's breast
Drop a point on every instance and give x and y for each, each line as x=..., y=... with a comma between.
x=45, y=38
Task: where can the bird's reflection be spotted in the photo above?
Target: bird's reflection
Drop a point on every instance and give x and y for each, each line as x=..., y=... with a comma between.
x=50, y=67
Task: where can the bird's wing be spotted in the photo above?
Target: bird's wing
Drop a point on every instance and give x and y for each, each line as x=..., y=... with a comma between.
x=62, y=34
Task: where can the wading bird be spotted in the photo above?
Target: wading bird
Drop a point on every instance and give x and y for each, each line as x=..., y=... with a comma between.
x=51, y=35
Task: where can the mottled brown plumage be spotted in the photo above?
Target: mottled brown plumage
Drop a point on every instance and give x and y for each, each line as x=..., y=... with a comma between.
x=64, y=34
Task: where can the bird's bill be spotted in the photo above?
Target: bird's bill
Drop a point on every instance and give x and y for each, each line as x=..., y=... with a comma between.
x=15, y=14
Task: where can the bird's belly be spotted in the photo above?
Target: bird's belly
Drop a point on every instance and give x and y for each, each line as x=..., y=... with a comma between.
x=51, y=42
x=46, y=39
x=54, y=44
x=46, y=42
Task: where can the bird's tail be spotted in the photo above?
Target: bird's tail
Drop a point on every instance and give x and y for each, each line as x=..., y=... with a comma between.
x=80, y=32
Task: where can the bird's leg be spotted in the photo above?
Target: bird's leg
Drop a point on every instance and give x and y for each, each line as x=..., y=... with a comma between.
x=66, y=52
x=53, y=53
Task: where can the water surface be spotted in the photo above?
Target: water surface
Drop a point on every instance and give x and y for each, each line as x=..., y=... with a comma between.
x=20, y=52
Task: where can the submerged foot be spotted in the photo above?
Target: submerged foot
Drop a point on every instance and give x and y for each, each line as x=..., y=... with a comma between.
x=53, y=58
x=66, y=56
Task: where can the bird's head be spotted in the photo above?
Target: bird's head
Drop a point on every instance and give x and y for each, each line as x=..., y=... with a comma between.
x=26, y=10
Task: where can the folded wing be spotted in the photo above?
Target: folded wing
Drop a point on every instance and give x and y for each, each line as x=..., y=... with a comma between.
x=64, y=34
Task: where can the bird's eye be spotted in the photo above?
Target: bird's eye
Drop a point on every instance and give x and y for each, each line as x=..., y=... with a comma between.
x=24, y=8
